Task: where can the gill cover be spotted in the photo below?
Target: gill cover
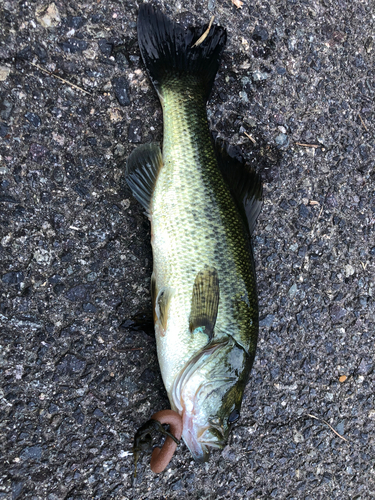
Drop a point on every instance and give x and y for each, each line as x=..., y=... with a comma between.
x=208, y=394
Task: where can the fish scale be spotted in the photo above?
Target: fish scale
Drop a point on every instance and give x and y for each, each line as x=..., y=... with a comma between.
x=190, y=184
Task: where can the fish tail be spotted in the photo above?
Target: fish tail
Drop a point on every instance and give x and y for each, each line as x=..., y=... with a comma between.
x=172, y=54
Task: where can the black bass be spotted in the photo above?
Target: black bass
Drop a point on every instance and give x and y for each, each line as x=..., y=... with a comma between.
x=202, y=205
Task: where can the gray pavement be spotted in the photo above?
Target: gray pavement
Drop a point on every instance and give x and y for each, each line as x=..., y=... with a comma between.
x=78, y=367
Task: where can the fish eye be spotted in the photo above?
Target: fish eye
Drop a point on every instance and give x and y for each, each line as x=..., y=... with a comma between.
x=235, y=415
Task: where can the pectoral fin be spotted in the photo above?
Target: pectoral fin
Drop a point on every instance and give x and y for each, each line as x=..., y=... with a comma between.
x=205, y=301
x=142, y=170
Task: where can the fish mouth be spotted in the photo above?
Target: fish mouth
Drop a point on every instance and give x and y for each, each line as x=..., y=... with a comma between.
x=200, y=440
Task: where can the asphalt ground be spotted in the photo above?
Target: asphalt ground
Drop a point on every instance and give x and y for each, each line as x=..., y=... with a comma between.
x=78, y=366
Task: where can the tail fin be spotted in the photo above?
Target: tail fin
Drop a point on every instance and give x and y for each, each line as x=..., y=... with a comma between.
x=168, y=50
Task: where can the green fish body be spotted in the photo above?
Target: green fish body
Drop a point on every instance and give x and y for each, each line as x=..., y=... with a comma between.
x=202, y=205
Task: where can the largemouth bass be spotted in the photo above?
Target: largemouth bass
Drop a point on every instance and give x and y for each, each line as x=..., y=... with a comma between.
x=202, y=205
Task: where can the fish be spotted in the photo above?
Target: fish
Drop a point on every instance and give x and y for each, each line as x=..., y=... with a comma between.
x=203, y=205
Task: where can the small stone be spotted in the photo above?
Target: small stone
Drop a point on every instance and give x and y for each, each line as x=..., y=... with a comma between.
x=282, y=140
x=105, y=47
x=32, y=453
x=70, y=365
x=363, y=151
x=42, y=256
x=78, y=293
x=60, y=287
x=261, y=52
x=91, y=276
x=267, y=321
x=303, y=211
x=7, y=198
x=120, y=150
x=292, y=43
x=337, y=313
x=74, y=45
x=17, y=489
x=349, y=270
x=13, y=277
x=90, y=53
x=298, y=437
x=26, y=53
x=89, y=308
x=292, y=66
x=3, y=129
x=5, y=109
x=229, y=454
x=177, y=486
x=327, y=477
x=4, y=73
x=316, y=64
x=211, y=5
x=148, y=375
x=115, y=115
x=33, y=119
x=343, y=378
x=259, y=76
x=359, y=61
x=293, y=290
x=369, y=44
x=366, y=366
x=121, y=90
x=251, y=121
x=260, y=34
x=75, y=22
x=135, y=131
x=92, y=141
x=363, y=301
x=48, y=16
x=58, y=175
x=37, y=152
x=127, y=323
x=244, y=97
x=41, y=52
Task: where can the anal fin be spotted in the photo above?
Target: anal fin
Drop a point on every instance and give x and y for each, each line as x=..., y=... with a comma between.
x=205, y=301
x=162, y=304
x=154, y=294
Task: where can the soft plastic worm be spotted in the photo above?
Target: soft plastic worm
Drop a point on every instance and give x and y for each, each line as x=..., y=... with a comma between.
x=161, y=457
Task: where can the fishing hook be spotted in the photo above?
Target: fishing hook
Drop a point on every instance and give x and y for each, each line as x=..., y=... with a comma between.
x=160, y=457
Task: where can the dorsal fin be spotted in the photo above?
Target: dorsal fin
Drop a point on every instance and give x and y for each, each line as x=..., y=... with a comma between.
x=142, y=169
x=244, y=183
x=205, y=301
